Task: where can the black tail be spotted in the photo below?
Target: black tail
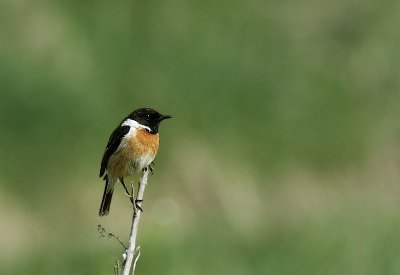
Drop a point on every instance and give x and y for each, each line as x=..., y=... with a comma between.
x=107, y=196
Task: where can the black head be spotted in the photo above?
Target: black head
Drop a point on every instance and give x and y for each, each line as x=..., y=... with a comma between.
x=148, y=117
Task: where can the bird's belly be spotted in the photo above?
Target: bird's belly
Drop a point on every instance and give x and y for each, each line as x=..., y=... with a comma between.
x=122, y=164
x=142, y=162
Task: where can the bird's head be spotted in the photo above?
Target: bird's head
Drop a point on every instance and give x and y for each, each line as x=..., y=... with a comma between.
x=148, y=117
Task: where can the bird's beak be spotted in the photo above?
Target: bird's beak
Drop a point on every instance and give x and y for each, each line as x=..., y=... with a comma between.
x=165, y=117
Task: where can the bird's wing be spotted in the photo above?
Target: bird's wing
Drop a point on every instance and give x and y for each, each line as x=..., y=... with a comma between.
x=112, y=145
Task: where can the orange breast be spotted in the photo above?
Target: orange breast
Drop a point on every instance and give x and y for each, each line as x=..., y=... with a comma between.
x=144, y=143
x=137, y=152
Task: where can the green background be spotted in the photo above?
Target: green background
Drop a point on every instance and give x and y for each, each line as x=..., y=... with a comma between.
x=282, y=156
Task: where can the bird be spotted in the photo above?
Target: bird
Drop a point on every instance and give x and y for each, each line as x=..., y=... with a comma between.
x=131, y=148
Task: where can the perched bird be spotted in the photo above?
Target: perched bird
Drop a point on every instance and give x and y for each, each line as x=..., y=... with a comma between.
x=132, y=147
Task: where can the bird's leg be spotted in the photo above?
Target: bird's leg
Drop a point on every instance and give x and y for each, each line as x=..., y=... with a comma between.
x=151, y=167
x=126, y=189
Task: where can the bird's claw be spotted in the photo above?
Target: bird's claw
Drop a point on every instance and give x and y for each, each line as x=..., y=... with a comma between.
x=149, y=167
x=138, y=206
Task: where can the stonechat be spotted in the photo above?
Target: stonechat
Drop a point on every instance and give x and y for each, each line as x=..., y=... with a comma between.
x=132, y=147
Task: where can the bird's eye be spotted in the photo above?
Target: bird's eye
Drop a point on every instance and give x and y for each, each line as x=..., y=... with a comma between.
x=148, y=115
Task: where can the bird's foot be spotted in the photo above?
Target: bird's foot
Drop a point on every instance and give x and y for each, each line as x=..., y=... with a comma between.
x=149, y=167
x=138, y=206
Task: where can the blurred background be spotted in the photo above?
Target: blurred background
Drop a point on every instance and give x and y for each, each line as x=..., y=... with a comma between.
x=282, y=157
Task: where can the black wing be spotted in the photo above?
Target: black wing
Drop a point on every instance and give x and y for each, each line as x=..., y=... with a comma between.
x=112, y=145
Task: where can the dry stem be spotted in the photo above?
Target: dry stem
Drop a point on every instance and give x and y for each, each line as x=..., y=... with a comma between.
x=130, y=251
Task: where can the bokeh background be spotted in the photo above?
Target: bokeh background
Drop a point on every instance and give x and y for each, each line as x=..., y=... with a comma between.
x=282, y=157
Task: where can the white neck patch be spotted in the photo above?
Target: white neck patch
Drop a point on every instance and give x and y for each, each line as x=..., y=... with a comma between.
x=134, y=124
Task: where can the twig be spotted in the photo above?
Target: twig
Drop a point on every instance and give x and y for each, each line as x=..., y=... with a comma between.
x=135, y=222
x=117, y=267
x=103, y=232
x=137, y=252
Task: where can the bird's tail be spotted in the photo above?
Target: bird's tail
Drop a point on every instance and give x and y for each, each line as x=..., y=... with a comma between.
x=107, y=196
